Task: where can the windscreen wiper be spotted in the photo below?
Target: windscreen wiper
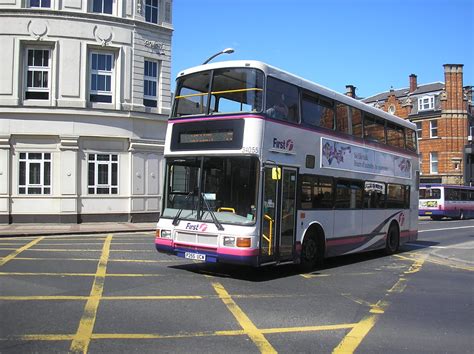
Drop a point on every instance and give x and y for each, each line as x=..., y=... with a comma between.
x=213, y=216
x=178, y=214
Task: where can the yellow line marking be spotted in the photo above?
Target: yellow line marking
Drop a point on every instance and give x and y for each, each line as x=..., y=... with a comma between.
x=57, y=337
x=110, y=298
x=439, y=261
x=45, y=337
x=357, y=300
x=145, y=297
x=48, y=274
x=310, y=276
x=82, y=337
x=19, y=250
x=308, y=328
x=399, y=286
x=249, y=328
x=162, y=297
x=78, y=275
x=134, y=275
x=353, y=339
x=56, y=259
x=82, y=250
x=379, y=307
x=93, y=260
x=416, y=267
x=42, y=298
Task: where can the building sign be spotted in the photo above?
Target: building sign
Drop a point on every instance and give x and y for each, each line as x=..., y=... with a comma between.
x=343, y=156
x=157, y=46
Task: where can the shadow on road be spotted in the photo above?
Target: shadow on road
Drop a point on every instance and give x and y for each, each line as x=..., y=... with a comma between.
x=269, y=273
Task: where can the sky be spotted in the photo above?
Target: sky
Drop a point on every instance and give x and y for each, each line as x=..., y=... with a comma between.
x=371, y=44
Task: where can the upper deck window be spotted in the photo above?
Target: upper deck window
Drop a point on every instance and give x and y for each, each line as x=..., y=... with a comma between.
x=374, y=128
x=229, y=90
x=317, y=111
x=282, y=100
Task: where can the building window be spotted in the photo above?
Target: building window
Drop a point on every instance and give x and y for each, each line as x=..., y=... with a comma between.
x=102, y=174
x=151, y=11
x=433, y=129
x=425, y=103
x=35, y=173
x=39, y=3
x=150, y=83
x=433, y=163
x=38, y=70
x=419, y=130
x=102, y=6
x=101, y=79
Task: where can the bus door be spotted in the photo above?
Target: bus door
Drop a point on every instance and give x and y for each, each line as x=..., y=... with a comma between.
x=279, y=214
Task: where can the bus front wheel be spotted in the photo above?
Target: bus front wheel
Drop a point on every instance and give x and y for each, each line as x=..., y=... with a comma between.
x=309, y=253
x=393, y=239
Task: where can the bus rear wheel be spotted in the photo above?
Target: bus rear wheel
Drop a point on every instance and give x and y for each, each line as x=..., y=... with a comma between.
x=393, y=239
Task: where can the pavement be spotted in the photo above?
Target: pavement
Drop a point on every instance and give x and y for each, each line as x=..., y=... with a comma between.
x=9, y=230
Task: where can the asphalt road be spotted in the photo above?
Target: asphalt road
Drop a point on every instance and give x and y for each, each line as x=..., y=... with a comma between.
x=114, y=293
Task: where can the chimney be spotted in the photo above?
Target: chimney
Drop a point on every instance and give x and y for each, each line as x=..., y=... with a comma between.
x=413, y=83
x=453, y=80
x=351, y=91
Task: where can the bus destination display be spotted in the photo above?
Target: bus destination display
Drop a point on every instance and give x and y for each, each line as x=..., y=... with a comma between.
x=206, y=136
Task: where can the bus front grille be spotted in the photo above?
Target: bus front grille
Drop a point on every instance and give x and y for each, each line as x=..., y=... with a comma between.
x=195, y=238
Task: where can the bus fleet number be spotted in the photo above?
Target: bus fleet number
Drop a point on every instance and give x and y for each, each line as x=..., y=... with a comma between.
x=250, y=150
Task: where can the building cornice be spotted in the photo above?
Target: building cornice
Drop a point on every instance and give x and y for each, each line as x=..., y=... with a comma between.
x=83, y=113
x=85, y=16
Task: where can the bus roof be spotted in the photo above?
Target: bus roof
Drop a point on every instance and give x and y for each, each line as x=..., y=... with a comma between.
x=296, y=80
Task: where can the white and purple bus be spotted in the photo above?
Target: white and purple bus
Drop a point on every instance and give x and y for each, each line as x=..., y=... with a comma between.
x=264, y=167
x=441, y=200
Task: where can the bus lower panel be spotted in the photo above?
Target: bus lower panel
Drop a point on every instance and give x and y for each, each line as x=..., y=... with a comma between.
x=211, y=256
x=364, y=243
x=454, y=213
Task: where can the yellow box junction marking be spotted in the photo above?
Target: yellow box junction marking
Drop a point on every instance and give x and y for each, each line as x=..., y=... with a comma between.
x=247, y=325
x=354, y=338
x=83, y=335
x=19, y=250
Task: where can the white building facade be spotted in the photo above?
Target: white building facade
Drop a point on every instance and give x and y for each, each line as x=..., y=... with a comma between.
x=84, y=100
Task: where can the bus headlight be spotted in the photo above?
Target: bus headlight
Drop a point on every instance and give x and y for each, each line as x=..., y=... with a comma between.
x=163, y=233
x=229, y=241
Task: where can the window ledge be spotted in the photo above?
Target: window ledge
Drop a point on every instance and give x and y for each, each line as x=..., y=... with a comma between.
x=37, y=103
x=102, y=105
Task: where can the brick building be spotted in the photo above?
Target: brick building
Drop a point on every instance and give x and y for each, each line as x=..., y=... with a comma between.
x=443, y=113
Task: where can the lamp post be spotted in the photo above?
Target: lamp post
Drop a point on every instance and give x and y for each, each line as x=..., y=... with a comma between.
x=225, y=51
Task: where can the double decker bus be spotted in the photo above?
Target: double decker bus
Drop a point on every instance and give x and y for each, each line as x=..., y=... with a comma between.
x=438, y=201
x=264, y=167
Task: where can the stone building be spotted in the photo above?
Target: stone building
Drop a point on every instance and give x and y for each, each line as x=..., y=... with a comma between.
x=84, y=101
x=443, y=114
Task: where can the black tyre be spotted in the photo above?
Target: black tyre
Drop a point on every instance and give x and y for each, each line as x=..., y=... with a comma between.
x=309, y=253
x=436, y=217
x=393, y=239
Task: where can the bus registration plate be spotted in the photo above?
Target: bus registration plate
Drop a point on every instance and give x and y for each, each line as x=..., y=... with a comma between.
x=195, y=256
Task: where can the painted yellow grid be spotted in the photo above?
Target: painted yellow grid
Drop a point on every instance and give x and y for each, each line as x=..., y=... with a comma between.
x=355, y=332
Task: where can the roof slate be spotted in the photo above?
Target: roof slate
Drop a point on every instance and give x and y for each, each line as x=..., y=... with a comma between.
x=422, y=89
